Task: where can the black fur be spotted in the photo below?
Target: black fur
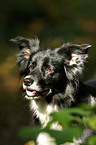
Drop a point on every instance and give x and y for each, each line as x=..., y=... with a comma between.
x=54, y=74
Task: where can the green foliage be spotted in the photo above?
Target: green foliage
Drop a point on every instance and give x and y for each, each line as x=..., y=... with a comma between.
x=66, y=135
x=92, y=140
x=72, y=120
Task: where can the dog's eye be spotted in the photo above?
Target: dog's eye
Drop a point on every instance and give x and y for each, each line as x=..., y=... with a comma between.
x=31, y=67
x=48, y=70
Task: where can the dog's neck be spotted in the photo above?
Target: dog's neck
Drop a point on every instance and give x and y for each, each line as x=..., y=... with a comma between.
x=42, y=110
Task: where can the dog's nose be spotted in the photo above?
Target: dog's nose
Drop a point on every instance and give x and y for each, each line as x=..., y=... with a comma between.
x=28, y=82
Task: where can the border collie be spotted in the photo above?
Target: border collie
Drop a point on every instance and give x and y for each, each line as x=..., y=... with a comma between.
x=52, y=79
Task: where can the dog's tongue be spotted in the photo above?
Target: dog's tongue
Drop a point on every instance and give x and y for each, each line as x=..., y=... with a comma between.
x=31, y=93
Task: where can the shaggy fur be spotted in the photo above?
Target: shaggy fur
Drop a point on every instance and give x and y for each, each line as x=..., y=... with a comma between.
x=52, y=78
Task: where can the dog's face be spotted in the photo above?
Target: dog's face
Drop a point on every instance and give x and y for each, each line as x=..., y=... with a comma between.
x=47, y=71
x=45, y=76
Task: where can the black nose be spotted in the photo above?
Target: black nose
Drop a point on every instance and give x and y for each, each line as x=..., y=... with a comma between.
x=28, y=82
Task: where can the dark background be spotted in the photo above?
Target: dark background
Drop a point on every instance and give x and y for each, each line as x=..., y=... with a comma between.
x=55, y=22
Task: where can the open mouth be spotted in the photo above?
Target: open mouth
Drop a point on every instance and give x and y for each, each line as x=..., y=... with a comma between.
x=32, y=94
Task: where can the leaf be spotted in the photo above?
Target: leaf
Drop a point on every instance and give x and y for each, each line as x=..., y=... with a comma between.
x=92, y=140
x=29, y=133
x=91, y=122
x=66, y=116
x=66, y=135
x=78, y=111
x=63, y=118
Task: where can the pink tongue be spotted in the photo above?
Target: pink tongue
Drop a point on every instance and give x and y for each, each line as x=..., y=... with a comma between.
x=29, y=93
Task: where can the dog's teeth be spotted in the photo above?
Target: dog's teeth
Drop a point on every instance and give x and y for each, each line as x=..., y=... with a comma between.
x=29, y=93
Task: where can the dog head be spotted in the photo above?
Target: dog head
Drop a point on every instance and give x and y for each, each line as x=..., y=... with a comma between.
x=46, y=70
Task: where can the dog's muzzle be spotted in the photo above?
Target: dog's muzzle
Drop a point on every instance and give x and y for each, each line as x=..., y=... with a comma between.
x=33, y=91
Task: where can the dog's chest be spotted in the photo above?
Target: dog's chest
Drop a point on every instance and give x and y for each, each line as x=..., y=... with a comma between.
x=42, y=110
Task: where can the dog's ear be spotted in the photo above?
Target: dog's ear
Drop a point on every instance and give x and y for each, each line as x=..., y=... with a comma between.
x=74, y=53
x=27, y=48
x=74, y=57
x=31, y=44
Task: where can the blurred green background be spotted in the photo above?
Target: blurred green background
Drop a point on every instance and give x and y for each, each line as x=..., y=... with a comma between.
x=55, y=22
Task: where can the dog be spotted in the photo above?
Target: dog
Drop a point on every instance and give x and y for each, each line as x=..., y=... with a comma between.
x=52, y=79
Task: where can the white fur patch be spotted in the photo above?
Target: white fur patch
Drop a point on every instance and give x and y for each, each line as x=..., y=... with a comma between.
x=77, y=60
x=56, y=126
x=73, y=59
x=43, y=110
x=45, y=139
x=92, y=100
